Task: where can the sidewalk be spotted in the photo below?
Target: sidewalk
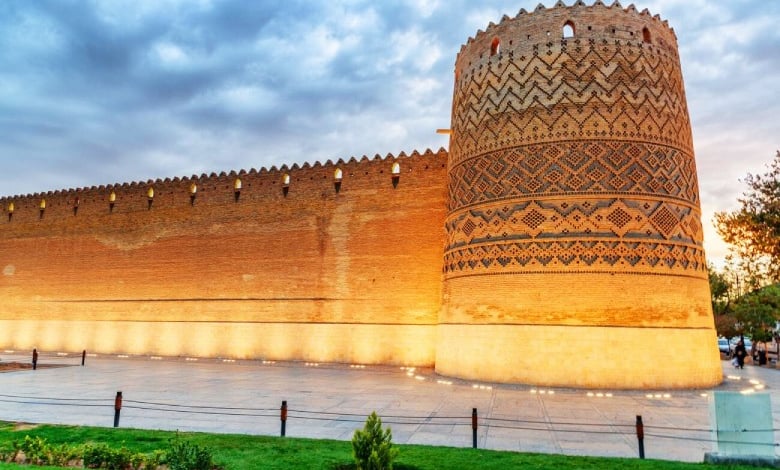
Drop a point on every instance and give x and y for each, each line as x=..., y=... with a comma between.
x=331, y=401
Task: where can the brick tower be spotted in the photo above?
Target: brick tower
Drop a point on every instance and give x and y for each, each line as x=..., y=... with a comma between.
x=573, y=253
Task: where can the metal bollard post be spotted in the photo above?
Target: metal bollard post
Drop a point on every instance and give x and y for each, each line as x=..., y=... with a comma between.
x=83, y=357
x=284, y=417
x=117, y=408
x=474, y=428
x=35, y=359
x=640, y=436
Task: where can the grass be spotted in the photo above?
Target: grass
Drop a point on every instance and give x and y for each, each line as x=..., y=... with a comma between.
x=241, y=452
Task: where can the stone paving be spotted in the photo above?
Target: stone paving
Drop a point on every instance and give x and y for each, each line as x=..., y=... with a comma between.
x=420, y=406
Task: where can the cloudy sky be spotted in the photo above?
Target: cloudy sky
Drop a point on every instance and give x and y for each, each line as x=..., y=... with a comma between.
x=99, y=92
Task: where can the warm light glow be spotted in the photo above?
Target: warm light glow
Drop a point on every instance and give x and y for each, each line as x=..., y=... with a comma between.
x=444, y=131
x=43, y=203
x=396, y=169
x=337, y=175
x=747, y=391
x=237, y=184
x=150, y=193
x=754, y=381
x=286, y=179
x=193, y=188
x=10, y=207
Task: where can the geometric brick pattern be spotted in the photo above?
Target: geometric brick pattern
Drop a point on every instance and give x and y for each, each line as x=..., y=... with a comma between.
x=572, y=168
x=572, y=155
x=571, y=89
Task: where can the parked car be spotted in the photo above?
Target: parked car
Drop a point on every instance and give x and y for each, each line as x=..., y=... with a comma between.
x=748, y=344
x=723, y=346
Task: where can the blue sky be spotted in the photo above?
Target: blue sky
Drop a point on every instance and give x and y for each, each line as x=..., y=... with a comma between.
x=96, y=92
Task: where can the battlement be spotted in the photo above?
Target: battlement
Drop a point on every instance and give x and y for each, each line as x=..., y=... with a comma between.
x=597, y=23
x=217, y=187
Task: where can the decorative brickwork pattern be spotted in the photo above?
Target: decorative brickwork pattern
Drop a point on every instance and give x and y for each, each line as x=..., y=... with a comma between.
x=573, y=227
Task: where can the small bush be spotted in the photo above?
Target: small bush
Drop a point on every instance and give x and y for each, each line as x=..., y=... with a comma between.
x=372, y=447
x=103, y=456
x=185, y=455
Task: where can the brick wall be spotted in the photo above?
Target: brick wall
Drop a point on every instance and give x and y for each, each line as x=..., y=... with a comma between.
x=362, y=263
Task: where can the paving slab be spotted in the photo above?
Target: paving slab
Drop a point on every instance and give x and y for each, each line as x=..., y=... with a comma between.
x=332, y=400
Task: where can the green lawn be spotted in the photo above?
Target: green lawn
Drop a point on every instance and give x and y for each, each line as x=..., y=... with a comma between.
x=238, y=452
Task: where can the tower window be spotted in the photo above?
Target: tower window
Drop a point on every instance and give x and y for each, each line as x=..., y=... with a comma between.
x=646, y=35
x=568, y=29
x=495, y=47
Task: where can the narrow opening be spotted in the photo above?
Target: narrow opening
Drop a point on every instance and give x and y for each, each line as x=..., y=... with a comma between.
x=646, y=35
x=286, y=179
x=495, y=46
x=396, y=172
x=568, y=29
x=337, y=176
x=150, y=197
x=111, y=201
x=76, y=206
x=237, y=185
x=43, y=208
x=10, y=211
x=193, y=192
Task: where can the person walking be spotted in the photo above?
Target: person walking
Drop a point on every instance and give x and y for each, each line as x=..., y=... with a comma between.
x=740, y=354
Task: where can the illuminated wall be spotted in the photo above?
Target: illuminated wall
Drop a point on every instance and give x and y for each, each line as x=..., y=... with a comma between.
x=559, y=242
x=574, y=240
x=320, y=269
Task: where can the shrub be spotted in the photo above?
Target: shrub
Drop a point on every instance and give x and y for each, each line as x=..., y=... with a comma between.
x=185, y=455
x=372, y=447
x=102, y=456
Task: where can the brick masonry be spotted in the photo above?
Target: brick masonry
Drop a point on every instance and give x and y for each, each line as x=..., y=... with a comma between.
x=563, y=227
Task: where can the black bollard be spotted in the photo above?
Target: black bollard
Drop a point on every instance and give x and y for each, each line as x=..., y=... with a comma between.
x=83, y=357
x=640, y=436
x=117, y=408
x=474, y=428
x=284, y=417
x=35, y=359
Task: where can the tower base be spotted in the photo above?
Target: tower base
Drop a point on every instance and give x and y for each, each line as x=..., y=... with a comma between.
x=580, y=356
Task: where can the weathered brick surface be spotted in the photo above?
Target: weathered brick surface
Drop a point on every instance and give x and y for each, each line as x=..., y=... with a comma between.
x=573, y=208
x=363, y=260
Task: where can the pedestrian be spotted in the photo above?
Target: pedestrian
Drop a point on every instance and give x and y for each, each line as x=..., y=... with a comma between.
x=740, y=353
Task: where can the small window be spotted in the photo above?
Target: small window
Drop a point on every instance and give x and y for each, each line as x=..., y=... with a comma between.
x=646, y=35
x=396, y=169
x=193, y=192
x=568, y=30
x=338, y=174
x=237, y=185
x=495, y=47
x=286, y=179
x=150, y=193
x=112, y=197
x=43, y=204
x=10, y=207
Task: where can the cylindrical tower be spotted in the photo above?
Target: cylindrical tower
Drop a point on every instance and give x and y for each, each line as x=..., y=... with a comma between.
x=574, y=239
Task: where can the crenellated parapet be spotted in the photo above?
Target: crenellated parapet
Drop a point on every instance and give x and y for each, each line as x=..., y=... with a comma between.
x=306, y=180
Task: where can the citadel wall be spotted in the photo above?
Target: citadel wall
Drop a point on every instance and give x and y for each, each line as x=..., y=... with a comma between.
x=318, y=269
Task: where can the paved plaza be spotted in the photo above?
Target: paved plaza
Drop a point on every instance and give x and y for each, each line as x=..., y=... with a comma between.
x=331, y=401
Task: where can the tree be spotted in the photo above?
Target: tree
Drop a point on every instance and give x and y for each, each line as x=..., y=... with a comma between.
x=720, y=290
x=372, y=447
x=753, y=231
x=757, y=313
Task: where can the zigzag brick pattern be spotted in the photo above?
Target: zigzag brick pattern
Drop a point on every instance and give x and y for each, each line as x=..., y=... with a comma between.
x=573, y=223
